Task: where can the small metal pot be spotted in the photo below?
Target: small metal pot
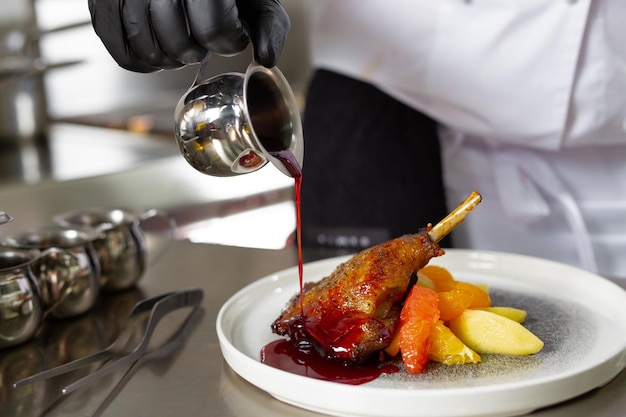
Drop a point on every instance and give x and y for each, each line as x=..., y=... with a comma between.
x=121, y=246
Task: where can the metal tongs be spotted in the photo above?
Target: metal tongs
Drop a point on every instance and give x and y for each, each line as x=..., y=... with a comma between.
x=154, y=308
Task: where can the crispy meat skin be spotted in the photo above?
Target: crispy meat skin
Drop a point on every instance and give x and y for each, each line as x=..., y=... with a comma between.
x=353, y=312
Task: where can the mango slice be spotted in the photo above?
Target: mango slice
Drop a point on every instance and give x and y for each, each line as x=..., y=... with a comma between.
x=487, y=332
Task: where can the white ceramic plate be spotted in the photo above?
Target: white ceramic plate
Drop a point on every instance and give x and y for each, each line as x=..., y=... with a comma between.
x=579, y=316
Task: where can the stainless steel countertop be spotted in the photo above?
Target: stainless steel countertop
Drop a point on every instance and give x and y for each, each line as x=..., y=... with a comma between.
x=195, y=380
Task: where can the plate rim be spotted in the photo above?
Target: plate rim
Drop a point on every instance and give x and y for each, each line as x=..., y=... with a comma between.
x=600, y=373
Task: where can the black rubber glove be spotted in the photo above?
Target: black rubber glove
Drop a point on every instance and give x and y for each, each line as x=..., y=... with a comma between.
x=150, y=35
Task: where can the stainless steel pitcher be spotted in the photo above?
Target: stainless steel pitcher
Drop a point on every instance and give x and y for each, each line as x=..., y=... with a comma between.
x=21, y=311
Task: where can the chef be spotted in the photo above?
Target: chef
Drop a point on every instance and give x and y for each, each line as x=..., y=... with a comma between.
x=529, y=98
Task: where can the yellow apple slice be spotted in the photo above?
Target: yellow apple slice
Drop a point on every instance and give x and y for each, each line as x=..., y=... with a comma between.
x=515, y=314
x=487, y=332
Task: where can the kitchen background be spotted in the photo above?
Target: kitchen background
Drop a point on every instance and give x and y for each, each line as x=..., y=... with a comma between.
x=106, y=134
x=98, y=86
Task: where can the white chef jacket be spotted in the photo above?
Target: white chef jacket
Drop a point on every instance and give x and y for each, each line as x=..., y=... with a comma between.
x=531, y=98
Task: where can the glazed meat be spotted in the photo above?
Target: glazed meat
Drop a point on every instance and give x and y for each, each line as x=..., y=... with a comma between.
x=352, y=313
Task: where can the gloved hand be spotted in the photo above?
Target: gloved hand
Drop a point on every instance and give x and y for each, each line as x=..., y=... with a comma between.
x=150, y=35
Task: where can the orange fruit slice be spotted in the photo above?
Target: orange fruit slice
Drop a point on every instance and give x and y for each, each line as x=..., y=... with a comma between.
x=439, y=276
x=447, y=348
x=417, y=319
x=480, y=298
x=454, y=296
x=454, y=302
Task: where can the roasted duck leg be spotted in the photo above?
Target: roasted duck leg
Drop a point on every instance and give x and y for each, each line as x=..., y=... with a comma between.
x=352, y=313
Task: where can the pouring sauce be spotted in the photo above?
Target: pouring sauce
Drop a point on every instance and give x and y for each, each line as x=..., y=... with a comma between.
x=301, y=356
x=291, y=164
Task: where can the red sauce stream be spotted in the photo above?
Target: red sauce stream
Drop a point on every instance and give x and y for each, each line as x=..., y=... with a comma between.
x=301, y=356
x=289, y=161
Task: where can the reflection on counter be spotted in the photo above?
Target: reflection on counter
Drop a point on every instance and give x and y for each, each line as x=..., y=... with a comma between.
x=249, y=222
x=27, y=163
x=74, y=151
x=69, y=340
x=60, y=341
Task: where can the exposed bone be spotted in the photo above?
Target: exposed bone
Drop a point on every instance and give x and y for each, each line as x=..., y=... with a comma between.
x=456, y=217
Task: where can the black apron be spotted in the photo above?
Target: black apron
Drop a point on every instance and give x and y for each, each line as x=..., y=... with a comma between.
x=372, y=166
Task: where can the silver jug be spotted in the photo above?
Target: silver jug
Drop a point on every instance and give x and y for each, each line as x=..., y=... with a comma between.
x=230, y=124
x=21, y=311
x=67, y=269
x=122, y=245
